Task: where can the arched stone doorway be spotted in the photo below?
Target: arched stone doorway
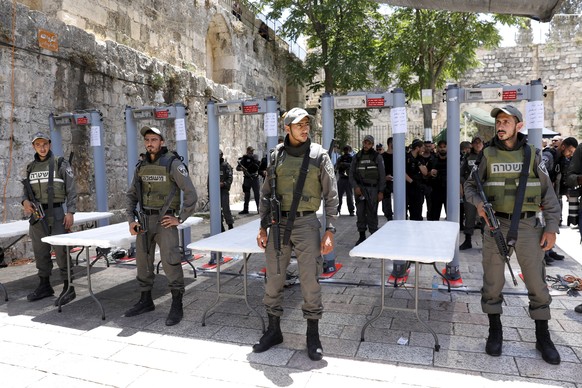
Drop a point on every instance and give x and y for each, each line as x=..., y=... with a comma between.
x=221, y=61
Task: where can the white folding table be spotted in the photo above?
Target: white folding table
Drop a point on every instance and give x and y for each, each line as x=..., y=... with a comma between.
x=109, y=236
x=423, y=242
x=19, y=229
x=241, y=239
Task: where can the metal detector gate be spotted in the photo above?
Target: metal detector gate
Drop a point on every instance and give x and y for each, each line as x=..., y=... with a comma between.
x=175, y=112
x=267, y=107
x=94, y=119
x=395, y=101
x=531, y=92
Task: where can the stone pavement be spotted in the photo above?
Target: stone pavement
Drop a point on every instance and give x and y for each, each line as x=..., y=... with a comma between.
x=40, y=347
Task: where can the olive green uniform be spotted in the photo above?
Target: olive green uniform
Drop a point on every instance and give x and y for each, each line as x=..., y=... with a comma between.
x=305, y=237
x=64, y=194
x=157, y=178
x=499, y=170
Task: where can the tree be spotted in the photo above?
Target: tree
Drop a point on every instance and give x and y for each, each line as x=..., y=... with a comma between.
x=341, y=39
x=423, y=49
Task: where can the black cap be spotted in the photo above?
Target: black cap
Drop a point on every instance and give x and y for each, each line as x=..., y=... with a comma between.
x=510, y=110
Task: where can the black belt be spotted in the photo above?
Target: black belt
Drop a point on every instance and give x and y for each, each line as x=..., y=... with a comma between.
x=151, y=212
x=369, y=185
x=55, y=205
x=509, y=216
x=298, y=214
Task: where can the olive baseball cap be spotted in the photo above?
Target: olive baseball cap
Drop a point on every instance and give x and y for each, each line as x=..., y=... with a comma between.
x=295, y=115
x=145, y=130
x=41, y=135
x=510, y=110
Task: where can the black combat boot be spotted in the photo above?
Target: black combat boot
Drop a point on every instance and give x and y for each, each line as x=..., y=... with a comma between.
x=362, y=238
x=314, y=348
x=578, y=308
x=272, y=336
x=66, y=295
x=176, y=311
x=467, y=243
x=230, y=226
x=43, y=290
x=495, y=339
x=544, y=343
x=144, y=305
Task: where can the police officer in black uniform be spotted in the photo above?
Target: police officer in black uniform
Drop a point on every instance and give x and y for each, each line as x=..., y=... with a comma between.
x=53, y=194
x=157, y=183
x=343, y=183
x=249, y=164
x=225, y=183
x=368, y=178
x=415, y=182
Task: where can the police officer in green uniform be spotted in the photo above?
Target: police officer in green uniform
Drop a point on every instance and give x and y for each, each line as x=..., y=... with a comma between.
x=52, y=193
x=305, y=238
x=158, y=179
x=368, y=178
x=499, y=169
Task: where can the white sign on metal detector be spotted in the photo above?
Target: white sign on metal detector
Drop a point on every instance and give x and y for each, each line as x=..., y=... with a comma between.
x=145, y=113
x=62, y=120
x=483, y=94
x=229, y=108
x=349, y=102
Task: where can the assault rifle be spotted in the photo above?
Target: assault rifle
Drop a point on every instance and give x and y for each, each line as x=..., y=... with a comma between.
x=493, y=222
x=38, y=214
x=275, y=206
x=140, y=215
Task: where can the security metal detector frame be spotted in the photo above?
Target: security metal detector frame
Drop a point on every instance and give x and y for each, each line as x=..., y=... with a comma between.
x=395, y=101
x=531, y=92
x=94, y=119
x=175, y=112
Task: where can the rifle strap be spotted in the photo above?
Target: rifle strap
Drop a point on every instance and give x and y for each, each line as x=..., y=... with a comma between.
x=519, y=197
x=296, y=197
x=51, y=193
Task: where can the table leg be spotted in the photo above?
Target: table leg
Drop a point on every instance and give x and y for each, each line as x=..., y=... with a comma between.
x=90, y=288
x=437, y=347
x=382, y=297
x=69, y=276
x=218, y=259
x=246, y=257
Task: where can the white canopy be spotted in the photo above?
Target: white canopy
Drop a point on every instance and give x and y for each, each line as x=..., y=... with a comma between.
x=545, y=132
x=541, y=10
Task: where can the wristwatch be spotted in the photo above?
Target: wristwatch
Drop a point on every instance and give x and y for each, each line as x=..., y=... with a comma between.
x=330, y=229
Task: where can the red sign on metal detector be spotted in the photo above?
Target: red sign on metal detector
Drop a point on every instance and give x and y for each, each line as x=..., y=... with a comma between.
x=375, y=102
x=83, y=120
x=250, y=109
x=161, y=114
x=509, y=95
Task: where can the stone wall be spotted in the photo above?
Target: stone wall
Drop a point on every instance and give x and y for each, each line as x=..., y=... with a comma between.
x=87, y=73
x=558, y=65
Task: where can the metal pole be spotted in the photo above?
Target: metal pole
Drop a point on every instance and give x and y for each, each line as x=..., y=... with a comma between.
x=182, y=149
x=535, y=133
x=214, y=168
x=96, y=124
x=56, y=137
x=271, y=127
x=131, y=143
x=327, y=121
x=453, y=163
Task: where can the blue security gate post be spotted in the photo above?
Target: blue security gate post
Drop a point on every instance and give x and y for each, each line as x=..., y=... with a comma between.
x=327, y=136
x=213, y=168
x=531, y=92
x=182, y=148
x=93, y=119
x=131, y=143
